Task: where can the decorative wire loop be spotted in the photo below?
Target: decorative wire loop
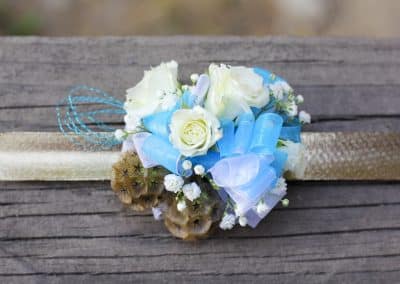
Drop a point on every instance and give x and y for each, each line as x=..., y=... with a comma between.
x=84, y=113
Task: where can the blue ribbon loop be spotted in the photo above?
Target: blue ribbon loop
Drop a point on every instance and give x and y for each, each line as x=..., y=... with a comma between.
x=244, y=133
x=160, y=150
x=266, y=133
x=251, y=164
x=158, y=123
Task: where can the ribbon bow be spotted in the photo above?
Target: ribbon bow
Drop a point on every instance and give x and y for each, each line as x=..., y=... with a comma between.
x=251, y=162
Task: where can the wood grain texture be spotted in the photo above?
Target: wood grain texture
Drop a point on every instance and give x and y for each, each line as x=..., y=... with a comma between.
x=63, y=232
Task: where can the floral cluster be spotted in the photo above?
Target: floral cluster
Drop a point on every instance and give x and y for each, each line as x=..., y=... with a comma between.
x=236, y=128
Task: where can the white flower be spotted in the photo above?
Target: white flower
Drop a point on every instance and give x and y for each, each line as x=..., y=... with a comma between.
x=194, y=77
x=132, y=122
x=157, y=213
x=280, y=187
x=119, y=134
x=243, y=221
x=194, y=131
x=262, y=208
x=181, y=205
x=173, y=183
x=187, y=165
x=250, y=86
x=147, y=96
x=300, y=99
x=304, y=117
x=191, y=191
x=292, y=109
x=168, y=101
x=222, y=98
x=233, y=90
x=199, y=170
x=295, y=162
x=280, y=89
x=285, y=202
x=227, y=222
x=239, y=211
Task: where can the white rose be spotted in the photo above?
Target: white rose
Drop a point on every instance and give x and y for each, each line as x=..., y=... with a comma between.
x=296, y=162
x=191, y=191
x=155, y=92
x=173, y=183
x=250, y=86
x=194, y=131
x=227, y=222
x=233, y=90
x=223, y=99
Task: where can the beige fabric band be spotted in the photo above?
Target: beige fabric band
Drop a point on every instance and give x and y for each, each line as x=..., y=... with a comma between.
x=330, y=156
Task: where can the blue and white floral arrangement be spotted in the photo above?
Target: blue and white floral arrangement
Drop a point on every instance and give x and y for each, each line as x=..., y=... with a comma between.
x=213, y=153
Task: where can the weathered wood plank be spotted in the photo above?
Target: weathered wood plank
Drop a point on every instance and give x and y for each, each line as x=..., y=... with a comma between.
x=27, y=199
x=337, y=77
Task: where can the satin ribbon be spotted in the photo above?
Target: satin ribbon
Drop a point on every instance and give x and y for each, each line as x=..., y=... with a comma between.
x=250, y=163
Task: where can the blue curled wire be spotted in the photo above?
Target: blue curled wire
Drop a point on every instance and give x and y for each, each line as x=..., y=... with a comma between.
x=75, y=117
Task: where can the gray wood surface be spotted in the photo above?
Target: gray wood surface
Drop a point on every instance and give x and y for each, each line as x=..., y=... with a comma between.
x=61, y=232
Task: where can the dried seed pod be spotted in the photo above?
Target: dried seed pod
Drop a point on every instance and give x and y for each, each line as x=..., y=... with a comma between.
x=136, y=186
x=197, y=220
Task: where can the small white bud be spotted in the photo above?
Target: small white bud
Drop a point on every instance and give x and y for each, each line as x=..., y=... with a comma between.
x=157, y=213
x=173, y=183
x=304, y=117
x=239, y=211
x=132, y=122
x=187, y=165
x=181, y=205
x=194, y=77
x=185, y=87
x=199, y=170
x=292, y=110
x=285, y=202
x=119, y=134
x=227, y=222
x=262, y=208
x=191, y=191
x=243, y=221
x=300, y=99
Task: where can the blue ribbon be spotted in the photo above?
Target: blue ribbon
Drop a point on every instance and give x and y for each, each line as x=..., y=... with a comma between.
x=250, y=163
